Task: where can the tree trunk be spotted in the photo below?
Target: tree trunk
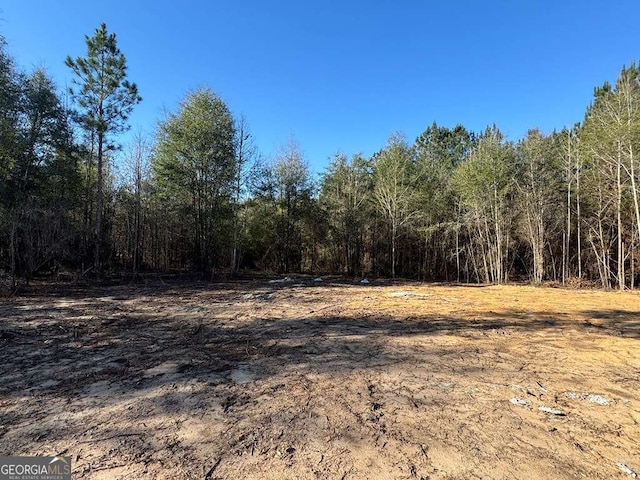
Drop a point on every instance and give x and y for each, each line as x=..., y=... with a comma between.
x=566, y=244
x=498, y=236
x=458, y=254
x=621, y=273
x=578, y=221
x=393, y=250
x=634, y=189
x=137, y=253
x=99, y=202
x=13, y=255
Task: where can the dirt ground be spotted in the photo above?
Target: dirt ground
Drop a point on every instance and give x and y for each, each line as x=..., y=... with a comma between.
x=323, y=380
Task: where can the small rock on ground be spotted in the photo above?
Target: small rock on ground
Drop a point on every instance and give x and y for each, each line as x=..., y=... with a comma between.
x=552, y=411
x=625, y=469
x=598, y=399
x=520, y=401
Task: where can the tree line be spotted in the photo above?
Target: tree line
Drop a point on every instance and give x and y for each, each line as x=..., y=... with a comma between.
x=453, y=205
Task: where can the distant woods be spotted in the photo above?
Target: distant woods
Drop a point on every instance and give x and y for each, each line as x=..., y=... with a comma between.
x=453, y=205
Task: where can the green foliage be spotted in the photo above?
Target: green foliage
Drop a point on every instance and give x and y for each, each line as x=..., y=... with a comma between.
x=396, y=172
x=195, y=147
x=103, y=93
x=488, y=173
x=539, y=170
x=396, y=175
x=539, y=195
x=194, y=168
x=439, y=151
x=10, y=109
x=40, y=183
x=346, y=196
x=105, y=98
x=452, y=205
x=445, y=147
x=287, y=190
x=610, y=144
x=484, y=185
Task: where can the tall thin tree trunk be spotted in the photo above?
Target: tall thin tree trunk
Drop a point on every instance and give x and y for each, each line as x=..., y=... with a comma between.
x=566, y=244
x=578, y=222
x=425, y=266
x=564, y=257
x=458, y=254
x=621, y=273
x=13, y=247
x=604, y=255
x=393, y=250
x=234, y=253
x=236, y=213
x=487, y=256
x=498, y=276
x=137, y=221
x=87, y=210
x=633, y=261
x=99, y=202
x=634, y=188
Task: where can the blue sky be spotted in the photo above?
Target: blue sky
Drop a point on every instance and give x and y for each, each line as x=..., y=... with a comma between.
x=344, y=75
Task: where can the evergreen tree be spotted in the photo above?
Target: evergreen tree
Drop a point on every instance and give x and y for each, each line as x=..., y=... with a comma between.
x=195, y=170
x=106, y=99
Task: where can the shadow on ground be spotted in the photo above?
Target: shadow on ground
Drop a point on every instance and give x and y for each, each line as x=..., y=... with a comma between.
x=136, y=377
x=64, y=342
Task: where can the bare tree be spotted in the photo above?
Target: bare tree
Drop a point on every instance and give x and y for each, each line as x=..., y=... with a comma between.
x=395, y=188
x=247, y=164
x=138, y=163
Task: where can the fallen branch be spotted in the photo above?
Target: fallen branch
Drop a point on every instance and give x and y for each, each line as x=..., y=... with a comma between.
x=111, y=437
x=209, y=474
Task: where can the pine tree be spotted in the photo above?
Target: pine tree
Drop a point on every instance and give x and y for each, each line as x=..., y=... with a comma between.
x=106, y=99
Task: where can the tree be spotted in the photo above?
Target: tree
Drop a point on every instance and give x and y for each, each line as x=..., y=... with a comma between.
x=247, y=165
x=282, y=215
x=106, y=98
x=195, y=168
x=345, y=194
x=394, y=190
x=132, y=204
x=439, y=151
x=484, y=186
x=538, y=186
x=46, y=150
x=10, y=97
x=38, y=171
x=293, y=192
x=444, y=146
x=572, y=166
x=611, y=136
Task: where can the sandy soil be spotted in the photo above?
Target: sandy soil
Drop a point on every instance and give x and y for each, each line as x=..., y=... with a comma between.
x=310, y=380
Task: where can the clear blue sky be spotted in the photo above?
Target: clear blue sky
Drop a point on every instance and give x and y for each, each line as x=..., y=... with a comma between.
x=344, y=75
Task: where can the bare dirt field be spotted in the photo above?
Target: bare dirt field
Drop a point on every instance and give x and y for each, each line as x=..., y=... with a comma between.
x=315, y=380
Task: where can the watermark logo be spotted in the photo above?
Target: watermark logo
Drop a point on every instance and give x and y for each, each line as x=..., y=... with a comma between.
x=35, y=468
